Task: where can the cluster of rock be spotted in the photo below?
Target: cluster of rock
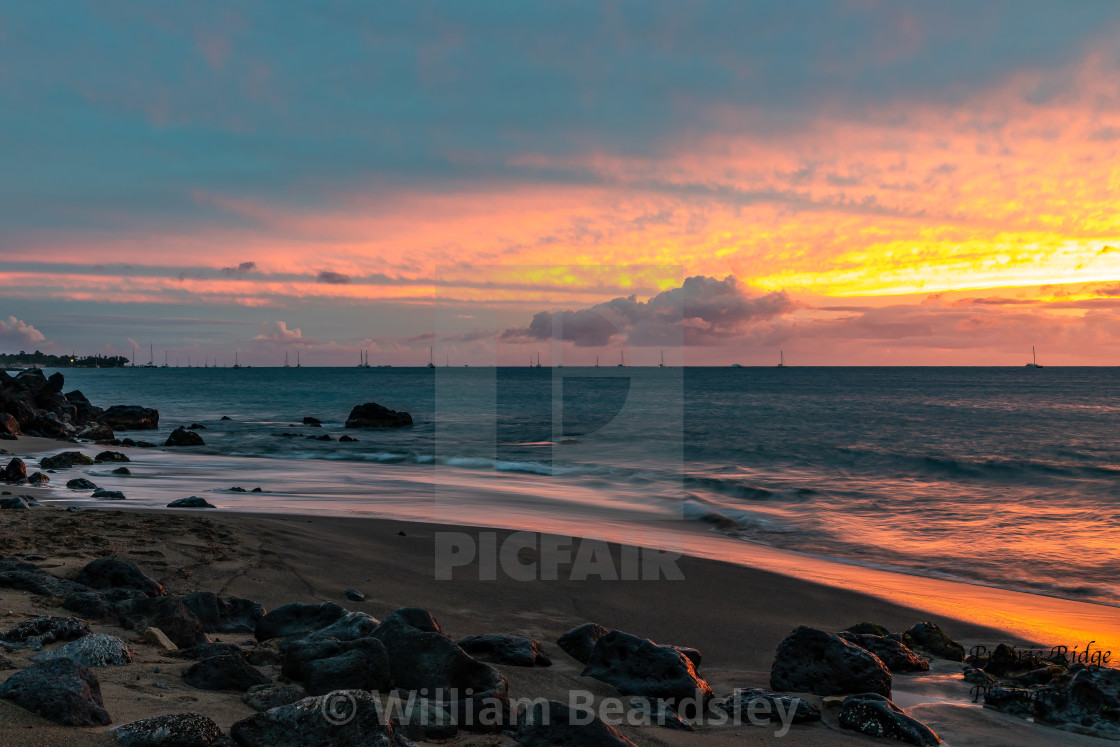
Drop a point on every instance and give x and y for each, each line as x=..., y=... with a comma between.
x=1048, y=688
x=33, y=403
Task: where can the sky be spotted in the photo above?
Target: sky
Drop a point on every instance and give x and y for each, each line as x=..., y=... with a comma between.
x=850, y=182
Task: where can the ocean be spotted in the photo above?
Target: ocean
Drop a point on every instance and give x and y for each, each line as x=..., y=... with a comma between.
x=1001, y=477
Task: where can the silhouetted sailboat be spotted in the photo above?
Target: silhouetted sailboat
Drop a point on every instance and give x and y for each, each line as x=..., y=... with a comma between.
x=236, y=361
x=662, y=363
x=596, y=361
x=431, y=354
x=298, y=364
x=1034, y=359
x=781, y=359
x=286, y=360
x=621, y=358
x=538, y=361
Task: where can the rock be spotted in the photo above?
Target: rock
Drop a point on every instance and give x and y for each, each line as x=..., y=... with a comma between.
x=230, y=615
x=96, y=432
x=638, y=666
x=344, y=439
x=365, y=668
x=298, y=619
x=324, y=437
x=193, y=502
x=107, y=495
x=513, y=649
x=95, y=650
x=345, y=718
x=348, y=627
x=111, y=456
x=83, y=408
x=65, y=460
x=182, y=437
x=580, y=641
x=422, y=658
x=60, y=690
x=80, y=483
x=553, y=723
x=897, y=656
x=130, y=418
x=301, y=653
x=26, y=577
x=173, y=730
x=812, y=661
x=100, y=605
x=169, y=614
x=196, y=427
x=1089, y=703
x=868, y=628
x=237, y=490
x=17, y=502
x=876, y=716
x=224, y=673
x=40, y=630
x=8, y=424
x=929, y=637
x=156, y=637
x=657, y=711
x=746, y=701
x=111, y=573
x=122, y=471
x=6, y=663
x=38, y=479
x=355, y=596
x=16, y=471
x=373, y=415
x=308, y=420
x=429, y=720
x=264, y=697
x=225, y=417
x=208, y=650
x=256, y=490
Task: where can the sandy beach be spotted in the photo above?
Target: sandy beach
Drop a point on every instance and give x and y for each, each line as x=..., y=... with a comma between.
x=736, y=615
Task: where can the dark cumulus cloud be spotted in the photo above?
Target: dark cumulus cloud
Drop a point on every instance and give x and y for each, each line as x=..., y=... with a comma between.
x=332, y=278
x=702, y=311
x=239, y=270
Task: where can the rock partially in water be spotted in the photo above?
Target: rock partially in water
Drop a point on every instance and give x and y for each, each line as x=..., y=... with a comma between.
x=514, y=649
x=224, y=672
x=112, y=573
x=928, y=637
x=373, y=415
x=16, y=471
x=298, y=619
x=183, y=437
x=555, y=724
x=14, y=502
x=810, y=660
x=876, y=716
x=345, y=718
x=96, y=650
x=111, y=456
x=38, y=479
x=96, y=432
x=122, y=471
x=580, y=641
x=174, y=730
x=192, y=502
x=108, y=495
x=80, y=483
x=60, y=690
x=130, y=418
x=638, y=666
x=65, y=460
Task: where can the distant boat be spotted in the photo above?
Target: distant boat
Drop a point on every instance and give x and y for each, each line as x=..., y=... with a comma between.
x=662, y=363
x=431, y=353
x=1034, y=359
x=538, y=361
x=286, y=360
x=236, y=362
x=781, y=359
x=165, y=360
x=596, y=361
x=298, y=364
x=621, y=358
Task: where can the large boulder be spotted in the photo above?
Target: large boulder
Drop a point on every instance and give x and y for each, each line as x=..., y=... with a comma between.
x=1088, y=703
x=812, y=661
x=169, y=614
x=229, y=615
x=111, y=573
x=373, y=415
x=8, y=424
x=224, y=672
x=514, y=649
x=111, y=456
x=929, y=637
x=95, y=432
x=555, y=724
x=15, y=471
x=17, y=502
x=344, y=718
x=64, y=460
x=183, y=437
x=80, y=483
x=363, y=668
x=350, y=626
x=754, y=700
x=192, y=502
x=84, y=410
x=173, y=730
x=96, y=650
x=298, y=619
x=264, y=697
x=876, y=716
x=130, y=418
x=580, y=641
x=59, y=690
x=638, y=666
x=99, y=605
x=37, y=631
